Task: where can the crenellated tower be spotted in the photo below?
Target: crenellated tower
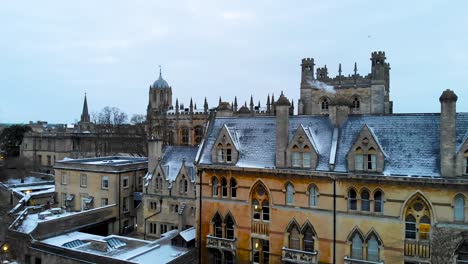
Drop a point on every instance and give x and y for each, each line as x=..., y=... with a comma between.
x=369, y=93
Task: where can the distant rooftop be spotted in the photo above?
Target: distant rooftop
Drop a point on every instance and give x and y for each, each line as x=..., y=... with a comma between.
x=99, y=163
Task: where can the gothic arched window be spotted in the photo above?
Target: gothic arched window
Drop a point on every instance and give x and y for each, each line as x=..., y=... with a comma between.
x=294, y=239
x=224, y=187
x=313, y=196
x=324, y=102
x=459, y=208
x=185, y=136
x=214, y=186
x=217, y=225
x=352, y=199
x=356, y=246
x=198, y=134
x=378, y=202
x=365, y=202
x=229, y=227
x=233, y=185
x=373, y=253
x=356, y=104
x=289, y=194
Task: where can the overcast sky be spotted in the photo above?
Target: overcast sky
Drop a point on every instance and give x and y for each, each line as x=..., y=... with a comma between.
x=51, y=52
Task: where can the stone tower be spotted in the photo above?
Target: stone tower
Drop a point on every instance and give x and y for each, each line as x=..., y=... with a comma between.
x=369, y=94
x=160, y=95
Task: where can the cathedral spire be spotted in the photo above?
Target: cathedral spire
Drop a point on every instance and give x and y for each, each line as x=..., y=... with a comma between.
x=235, y=104
x=251, y=103
x=205, y=106
x=85, y=114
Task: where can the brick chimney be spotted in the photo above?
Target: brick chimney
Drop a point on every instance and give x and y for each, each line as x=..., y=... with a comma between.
x=282, y=129
x=448, y=103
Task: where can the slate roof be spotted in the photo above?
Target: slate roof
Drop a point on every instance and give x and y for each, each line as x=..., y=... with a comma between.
x=172, y=161
x=256, y=138
x=411, y=142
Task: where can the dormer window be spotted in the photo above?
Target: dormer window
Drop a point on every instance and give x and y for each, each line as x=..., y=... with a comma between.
x=224, y=153
x=301, y=156
x=225, y=149
x=365, y=161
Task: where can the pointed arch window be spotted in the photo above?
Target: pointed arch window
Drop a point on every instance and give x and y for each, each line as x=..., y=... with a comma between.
x=356, y=104
x=324, y=102
x=365, y=202
x=260, y=204
x=233, y=185
x=214, y=186
x=410, y=227
x=185, y=185
x=185, y=136
x=459, y=208
x=294, y=238
x=378, y=202
x=218, y=225
x=373, y=253
x=313, y=196
x=198, y=134
x=228, y=153
x=417, y=220
x=224, y=187
x=229, y=227
x=289, y=194
x=220, y=153
x=301, y=157
x=308, y=239
x=365, y=161
x=352, y=199
x=356, y=246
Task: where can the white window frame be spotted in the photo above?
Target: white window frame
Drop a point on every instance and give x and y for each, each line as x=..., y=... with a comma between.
x=83, y=180
x=126, y=204
x=104, y=201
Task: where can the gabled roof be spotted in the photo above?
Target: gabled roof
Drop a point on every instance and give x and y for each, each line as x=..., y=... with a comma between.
x=233, y=136
x=172, y=159
x=257, y=141
x=411, y=142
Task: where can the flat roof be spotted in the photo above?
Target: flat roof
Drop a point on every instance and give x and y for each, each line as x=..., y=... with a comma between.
x=105, y=161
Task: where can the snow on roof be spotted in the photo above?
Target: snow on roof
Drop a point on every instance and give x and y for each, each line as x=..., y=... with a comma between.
x=411, y=142
x=105, y=161
x=189, y=234
x=172, y=158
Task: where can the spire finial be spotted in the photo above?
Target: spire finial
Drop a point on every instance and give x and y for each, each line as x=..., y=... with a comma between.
x=339, y=70
x=160, y=71
x=355, y=68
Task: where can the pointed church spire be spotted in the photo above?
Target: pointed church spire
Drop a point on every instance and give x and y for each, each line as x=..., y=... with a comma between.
x=191, y=105
x=268, y=103
x=339, y=70
x=177, y=105
x=85, y=114
x=205, y=106
x=251, y=103
x=355, y=68
x=219, y=101
x=235, y=104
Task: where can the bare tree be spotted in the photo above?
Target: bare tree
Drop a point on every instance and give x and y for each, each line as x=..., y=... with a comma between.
x=137, y=119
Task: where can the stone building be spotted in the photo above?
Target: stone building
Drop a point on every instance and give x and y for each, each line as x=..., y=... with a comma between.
x=169, y=195
x=44, y=147
x=369, y=94
x=335, y=188
x=84, y=184
x=184, y=126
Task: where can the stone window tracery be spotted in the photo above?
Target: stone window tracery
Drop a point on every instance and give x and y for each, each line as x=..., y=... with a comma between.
x=365, y=200
x=260, y=204
x=289, y=194
x=233, y=185
x=214, y=186
x=417, y=220
x=352, y=199
x=324, y=103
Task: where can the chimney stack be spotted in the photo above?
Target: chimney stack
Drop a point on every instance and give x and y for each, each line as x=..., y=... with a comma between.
x=154, y=152
x=339, y=109
x=448, y=113
x=282, y=129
